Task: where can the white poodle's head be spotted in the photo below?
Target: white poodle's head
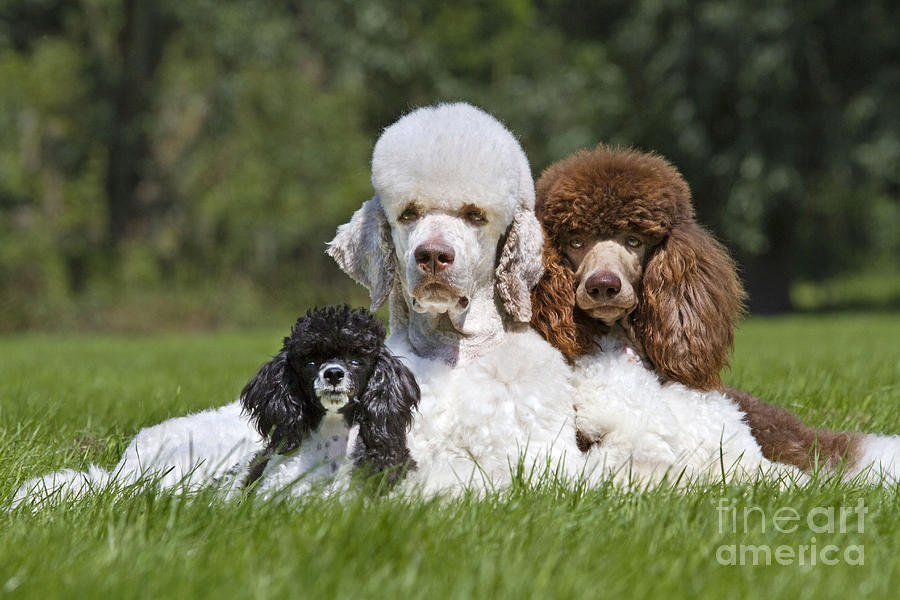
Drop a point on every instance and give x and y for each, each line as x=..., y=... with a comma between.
x=452, y=215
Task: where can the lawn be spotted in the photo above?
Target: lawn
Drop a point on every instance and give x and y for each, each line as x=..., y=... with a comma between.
x=66, y=401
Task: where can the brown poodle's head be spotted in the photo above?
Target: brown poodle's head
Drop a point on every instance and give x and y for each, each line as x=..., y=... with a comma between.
x=623, y=247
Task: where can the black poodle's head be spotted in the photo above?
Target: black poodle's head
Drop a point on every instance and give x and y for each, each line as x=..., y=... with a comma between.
x=332, y=351
x=334, y=360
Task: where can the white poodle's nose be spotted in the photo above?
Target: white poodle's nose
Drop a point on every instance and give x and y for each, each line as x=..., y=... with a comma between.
x=433, y=256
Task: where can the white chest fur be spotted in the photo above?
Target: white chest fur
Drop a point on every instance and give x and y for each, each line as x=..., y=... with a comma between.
x=476, y=420
x=323, y=456
x=326, y=448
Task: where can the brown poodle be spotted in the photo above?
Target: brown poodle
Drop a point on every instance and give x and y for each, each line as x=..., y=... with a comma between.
x=623, y=251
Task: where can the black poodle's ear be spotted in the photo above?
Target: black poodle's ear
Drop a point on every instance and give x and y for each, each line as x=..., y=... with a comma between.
x=385, y=414
x=278, y=406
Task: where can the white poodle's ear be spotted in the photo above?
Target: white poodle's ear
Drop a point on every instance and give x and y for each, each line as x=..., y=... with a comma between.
x=364, y=250
x=520, y=265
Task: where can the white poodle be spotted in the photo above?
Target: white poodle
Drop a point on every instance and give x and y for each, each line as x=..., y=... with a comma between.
x=451, y=240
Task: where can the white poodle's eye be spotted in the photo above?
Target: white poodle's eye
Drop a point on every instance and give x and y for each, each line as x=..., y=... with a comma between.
x=409, y=214
x=576, y=243
x=633, y=241
x=476, y=215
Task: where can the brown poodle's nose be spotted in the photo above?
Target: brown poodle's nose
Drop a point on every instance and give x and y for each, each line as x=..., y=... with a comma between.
x=434, y=256
x=603, y=285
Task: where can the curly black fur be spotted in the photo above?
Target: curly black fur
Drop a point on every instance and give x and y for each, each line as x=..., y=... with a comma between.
x=283, y=405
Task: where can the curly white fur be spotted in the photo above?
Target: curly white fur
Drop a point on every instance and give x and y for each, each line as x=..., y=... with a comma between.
x=325, y=463
x=649, y=430
x=493, y=391
x=184, y=453
x=478, y=419
x=878, y=462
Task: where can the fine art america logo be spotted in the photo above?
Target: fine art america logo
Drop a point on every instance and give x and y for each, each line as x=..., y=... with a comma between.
x=821, y=523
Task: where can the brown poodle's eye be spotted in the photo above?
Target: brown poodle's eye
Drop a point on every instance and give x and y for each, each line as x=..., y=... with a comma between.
x=633, y=241
x=409, y=214
x=576, y=243
x=476, y=215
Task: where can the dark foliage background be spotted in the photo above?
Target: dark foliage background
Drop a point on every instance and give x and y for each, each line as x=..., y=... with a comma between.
x=173, y=163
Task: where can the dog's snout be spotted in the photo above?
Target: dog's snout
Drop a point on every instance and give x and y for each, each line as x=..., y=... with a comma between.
x=434, y=256
x=333, y=375
x=603, y=284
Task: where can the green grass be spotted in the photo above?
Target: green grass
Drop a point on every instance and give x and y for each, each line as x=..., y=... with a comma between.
x=68, y=401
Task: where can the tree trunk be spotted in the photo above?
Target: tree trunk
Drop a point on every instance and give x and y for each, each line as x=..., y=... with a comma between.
x=140, y=44
x=768, y=276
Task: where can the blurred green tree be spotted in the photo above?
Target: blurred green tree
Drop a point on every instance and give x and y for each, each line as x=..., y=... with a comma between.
x=782, y=115
x=169, y=146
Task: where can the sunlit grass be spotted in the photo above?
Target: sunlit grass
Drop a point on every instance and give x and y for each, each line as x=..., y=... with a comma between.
x=70, y=401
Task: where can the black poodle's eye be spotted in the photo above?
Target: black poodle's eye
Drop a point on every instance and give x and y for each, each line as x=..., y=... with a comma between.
x=354, y=362
x=633, y=242
x=576, y=243
x=312, y=363
x=409, y=214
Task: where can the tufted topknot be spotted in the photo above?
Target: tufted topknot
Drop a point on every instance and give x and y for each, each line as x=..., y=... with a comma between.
x=606, y=191
x=449, y=154
x=335, y=330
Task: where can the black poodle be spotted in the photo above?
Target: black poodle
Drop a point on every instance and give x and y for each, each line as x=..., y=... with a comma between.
x=333, y=373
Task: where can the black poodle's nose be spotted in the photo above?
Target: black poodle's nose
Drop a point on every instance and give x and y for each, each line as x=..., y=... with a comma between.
x=603, y=285
x=333, y=375
x=434, y=256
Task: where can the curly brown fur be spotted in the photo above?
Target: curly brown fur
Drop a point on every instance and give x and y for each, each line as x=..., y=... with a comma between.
x=783, y=437
x=553, y=309
x=689, y=298
x=689, y=295
x=606, y=191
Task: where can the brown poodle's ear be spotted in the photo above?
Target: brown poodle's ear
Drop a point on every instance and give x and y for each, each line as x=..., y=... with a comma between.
x=553, y=311
x=690, y=299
